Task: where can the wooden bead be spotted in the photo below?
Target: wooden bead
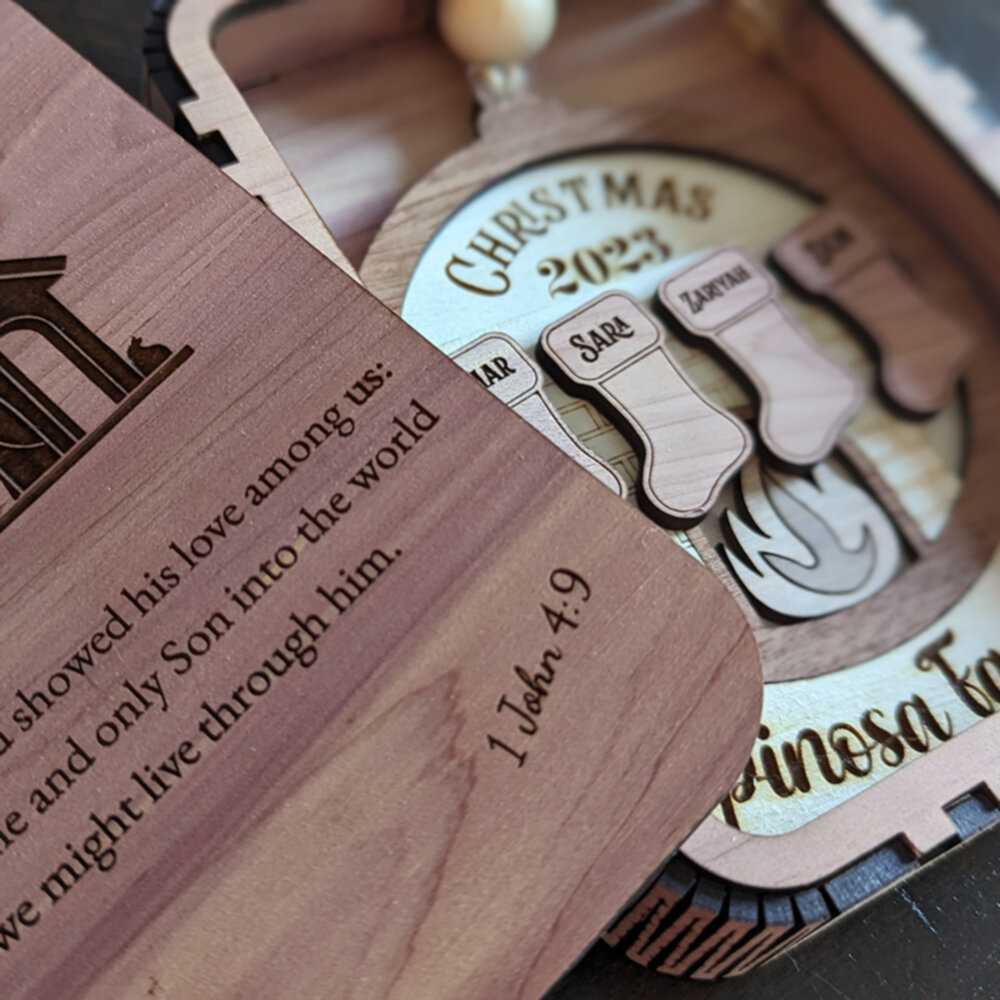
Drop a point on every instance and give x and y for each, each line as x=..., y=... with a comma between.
x=497, y=31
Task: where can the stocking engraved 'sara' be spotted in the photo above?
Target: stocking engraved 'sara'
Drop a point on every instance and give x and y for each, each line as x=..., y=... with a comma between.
x=616, y=351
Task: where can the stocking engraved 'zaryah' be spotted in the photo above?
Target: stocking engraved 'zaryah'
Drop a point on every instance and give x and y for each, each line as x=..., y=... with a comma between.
x=806, y=398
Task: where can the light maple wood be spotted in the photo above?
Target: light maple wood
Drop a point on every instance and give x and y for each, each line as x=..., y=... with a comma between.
x=218, y=106
x=499, y=364
x=354, y=827
x=808, y=546
x=922, y=351
x=806, y=397
x=758, y=121
x=907, y=804
x=615, y=351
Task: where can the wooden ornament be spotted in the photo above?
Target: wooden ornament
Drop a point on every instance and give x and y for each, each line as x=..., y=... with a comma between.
x=448, y=208
x=806, y=398
x=498, y=364
x=614, y=350
x=283, y=706
x=922, y=350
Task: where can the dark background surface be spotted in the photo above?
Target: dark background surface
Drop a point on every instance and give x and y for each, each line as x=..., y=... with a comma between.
x=937, y=935
x=965, y=33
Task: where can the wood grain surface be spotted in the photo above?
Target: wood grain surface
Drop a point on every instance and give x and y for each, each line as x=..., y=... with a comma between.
x=451, y=744
x=772, y=133
x=219, y=107
x=936, y=933
x=758, y=121
x=909, y=804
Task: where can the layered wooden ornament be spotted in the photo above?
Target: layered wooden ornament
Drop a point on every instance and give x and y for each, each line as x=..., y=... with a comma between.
x=860, y=538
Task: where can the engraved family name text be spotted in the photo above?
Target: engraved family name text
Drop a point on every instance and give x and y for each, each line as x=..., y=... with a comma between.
x=880, y=739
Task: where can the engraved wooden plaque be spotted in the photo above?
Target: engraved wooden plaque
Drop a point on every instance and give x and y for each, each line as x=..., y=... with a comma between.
x=324, y=673
x=868, y=580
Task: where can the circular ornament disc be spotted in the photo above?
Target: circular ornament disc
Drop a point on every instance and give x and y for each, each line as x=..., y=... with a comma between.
x=872, y=581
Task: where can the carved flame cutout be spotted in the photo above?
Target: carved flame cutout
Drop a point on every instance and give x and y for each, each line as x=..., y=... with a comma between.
x=809, y=546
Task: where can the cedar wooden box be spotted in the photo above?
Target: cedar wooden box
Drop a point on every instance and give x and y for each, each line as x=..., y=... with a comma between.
x=355, y=109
